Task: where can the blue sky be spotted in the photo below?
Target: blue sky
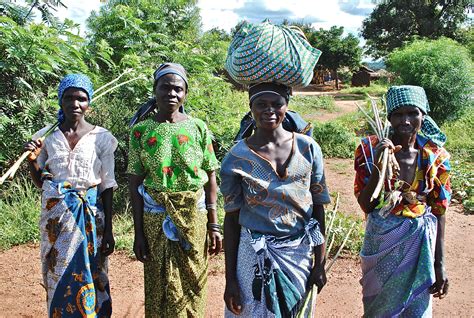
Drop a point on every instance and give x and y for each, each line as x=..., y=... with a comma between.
x=225, y=14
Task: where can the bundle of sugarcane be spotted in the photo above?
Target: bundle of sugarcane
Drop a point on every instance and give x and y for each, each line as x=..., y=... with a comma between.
x=388, y=162
x=13, y=169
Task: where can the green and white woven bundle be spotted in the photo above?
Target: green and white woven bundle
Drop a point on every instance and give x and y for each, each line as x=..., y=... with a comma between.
x=271, y=53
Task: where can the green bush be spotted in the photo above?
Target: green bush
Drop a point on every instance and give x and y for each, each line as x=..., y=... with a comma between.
x=462, y=183
x=443, y=68
x=461, y=147
x=335, y=139
x=459, y=134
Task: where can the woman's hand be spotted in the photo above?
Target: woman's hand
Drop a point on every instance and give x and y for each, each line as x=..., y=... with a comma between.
x=35, y=147
x=108, y=243
x=380, y=147
x=215, y=242
x=232, y=297
x=140, y=248
x=317, y=277
x=440, y=287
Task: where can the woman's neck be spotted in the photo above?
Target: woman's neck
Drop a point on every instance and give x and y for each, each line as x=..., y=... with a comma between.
x=173, y=117
x=74, y=125
x=406, y=141
x=264, y=136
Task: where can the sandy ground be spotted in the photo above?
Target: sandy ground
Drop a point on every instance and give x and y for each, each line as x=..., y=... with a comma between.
x=22, y=295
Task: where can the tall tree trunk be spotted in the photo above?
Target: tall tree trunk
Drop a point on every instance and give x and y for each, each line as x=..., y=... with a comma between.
x=337, y=79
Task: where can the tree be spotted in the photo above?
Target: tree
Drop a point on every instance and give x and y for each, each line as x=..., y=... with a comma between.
x=145, y=26
x=396, y=22
x=338, y=51
x=23, y=15
x=443, y=68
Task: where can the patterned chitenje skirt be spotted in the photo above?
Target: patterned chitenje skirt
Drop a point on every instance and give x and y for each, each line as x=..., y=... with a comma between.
x=74, y=272
x=397, y=261
x=272, y=272
x=176, y=275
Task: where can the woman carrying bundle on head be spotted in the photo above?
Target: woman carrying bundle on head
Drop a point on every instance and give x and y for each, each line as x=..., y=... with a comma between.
x=173, y=190
x=403, y=251
x=272, y=182
x=74, y=166
x=274, y=190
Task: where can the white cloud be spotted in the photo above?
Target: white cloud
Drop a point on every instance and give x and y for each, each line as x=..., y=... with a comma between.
x=223, y=14
x=226, y=14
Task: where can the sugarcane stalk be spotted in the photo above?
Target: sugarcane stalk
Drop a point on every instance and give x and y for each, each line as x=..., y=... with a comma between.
x=328, y=268
x=369, y=119
x=333, y=216
x=383, y=171
x=375, y=110
x=117, y=86
x=13, y=169
x=113, y=81
x=310, y=296
x=333, y=239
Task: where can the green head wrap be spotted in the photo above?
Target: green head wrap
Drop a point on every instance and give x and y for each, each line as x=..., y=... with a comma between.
x=408, y=95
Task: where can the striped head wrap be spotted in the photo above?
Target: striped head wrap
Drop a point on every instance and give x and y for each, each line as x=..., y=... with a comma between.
x=169, y=68
x=80, y=81
x=408, y=95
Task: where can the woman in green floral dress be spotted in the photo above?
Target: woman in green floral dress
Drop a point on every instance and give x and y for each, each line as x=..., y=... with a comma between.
x=173, y=190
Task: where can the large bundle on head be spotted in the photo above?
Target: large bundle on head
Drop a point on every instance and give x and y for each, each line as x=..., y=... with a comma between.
x=271, y=53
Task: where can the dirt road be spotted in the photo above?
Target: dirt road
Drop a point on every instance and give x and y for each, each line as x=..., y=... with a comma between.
x=23, y=296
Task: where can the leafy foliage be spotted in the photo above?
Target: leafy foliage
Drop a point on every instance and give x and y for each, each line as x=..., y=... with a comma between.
x=33, y=57
x=145, y=29
x=396, y=22
x=446, y=77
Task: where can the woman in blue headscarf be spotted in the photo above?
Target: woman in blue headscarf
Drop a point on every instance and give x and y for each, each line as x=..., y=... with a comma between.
x=402, y=258
x=74, y=166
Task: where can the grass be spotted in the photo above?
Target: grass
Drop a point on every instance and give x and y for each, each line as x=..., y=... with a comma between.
x=349, y=97
x=307, y=105
x=20, y=209
x=373, y=90
x=123, y=231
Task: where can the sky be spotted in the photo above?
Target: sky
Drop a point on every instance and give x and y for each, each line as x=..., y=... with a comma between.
x=225, y=14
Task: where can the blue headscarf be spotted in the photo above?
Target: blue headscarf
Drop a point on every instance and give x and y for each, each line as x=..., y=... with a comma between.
x=80, y=81
x=408, y=95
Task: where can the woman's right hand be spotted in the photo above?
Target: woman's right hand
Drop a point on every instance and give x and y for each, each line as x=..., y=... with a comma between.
x=140, y=248
x=380, y=147
x=35, y=147
x=232, y=297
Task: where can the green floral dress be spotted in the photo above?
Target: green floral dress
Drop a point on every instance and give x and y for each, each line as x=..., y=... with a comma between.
x=172, y=156
x=175, y=159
